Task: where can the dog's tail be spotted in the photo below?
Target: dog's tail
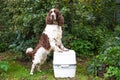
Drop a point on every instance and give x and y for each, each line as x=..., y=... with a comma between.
x=29, y=51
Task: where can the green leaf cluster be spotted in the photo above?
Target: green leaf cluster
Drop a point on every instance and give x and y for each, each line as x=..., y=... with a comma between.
x=87, y=23
x=109, y=56
x=4, y=66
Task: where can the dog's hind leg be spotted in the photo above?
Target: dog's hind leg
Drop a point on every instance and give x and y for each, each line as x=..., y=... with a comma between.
x=32, y=68
x=42, y=60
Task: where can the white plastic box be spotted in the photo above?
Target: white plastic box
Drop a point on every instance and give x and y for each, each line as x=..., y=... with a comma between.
x=64, y=64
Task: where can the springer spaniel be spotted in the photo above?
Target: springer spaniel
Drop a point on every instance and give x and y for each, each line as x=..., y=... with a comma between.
x=50, y=39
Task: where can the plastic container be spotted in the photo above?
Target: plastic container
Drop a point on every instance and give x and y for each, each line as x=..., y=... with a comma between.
x=64, y=64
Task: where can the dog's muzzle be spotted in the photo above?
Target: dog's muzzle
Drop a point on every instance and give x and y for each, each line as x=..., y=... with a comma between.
x=53, y=16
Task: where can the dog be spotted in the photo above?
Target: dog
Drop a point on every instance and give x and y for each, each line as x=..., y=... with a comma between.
x=49, y=40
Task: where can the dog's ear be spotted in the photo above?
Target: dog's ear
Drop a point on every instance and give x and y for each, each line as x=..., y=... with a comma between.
x=60, y=20
x=48, y=20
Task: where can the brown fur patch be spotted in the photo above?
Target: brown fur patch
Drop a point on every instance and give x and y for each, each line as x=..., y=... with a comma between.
x=43, y=42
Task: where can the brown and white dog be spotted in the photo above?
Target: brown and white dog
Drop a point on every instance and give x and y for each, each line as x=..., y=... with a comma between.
x=50, y=39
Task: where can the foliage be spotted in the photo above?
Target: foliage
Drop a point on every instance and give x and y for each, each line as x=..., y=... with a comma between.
x=87, y=23
x=113, y=71
x=3, y=47
x=4, y=66
x=88, y=40
x=95, y=12
x=82, y=47
x=7, y=37
x=110, y=56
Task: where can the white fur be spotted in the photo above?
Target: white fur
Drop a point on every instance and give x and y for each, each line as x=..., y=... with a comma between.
x=52, y=14
x=54, y=32
x=29, y=50
x=39, y=59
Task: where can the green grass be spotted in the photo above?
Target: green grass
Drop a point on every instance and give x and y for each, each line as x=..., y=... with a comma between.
x=19, y=71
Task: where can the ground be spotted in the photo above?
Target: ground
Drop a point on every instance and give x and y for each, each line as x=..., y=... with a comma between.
x=19, y=69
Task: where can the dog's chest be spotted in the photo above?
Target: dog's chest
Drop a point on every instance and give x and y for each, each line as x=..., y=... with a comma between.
x=53, y=31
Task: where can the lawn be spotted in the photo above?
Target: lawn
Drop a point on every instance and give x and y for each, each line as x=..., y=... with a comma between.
x=19, y=69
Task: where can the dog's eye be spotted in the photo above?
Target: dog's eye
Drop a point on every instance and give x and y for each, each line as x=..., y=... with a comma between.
x=50, y=12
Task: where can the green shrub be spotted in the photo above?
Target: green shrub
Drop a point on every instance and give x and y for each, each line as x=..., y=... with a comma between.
x=82, y=47
x=87, y=39
x=3, y=47
x=110, y=56
x=113, y=71
x=26, y=20
x=86, y=21
x=4, y=66
x=6, y=38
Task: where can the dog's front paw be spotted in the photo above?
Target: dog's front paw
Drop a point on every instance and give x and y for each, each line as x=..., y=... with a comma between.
x=65, y=49
x=60, y=51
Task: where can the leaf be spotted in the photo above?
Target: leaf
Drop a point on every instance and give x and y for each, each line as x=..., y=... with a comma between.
x=4, y=66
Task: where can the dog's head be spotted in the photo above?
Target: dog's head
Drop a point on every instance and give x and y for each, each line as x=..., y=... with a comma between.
x=54, y=17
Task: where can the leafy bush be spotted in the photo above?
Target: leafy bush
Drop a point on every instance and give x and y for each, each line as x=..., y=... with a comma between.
x=4, y=66
x=25, y=21
x=109, y=56
x=86, y=39
x=3, y=47
x=113, y=71
x=82, y=47
x=6, y=38
x=86, y=21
